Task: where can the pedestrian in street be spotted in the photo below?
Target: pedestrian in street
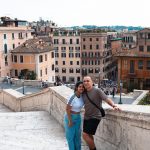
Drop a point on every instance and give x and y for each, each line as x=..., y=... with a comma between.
x=92, y=98
x=72, y=119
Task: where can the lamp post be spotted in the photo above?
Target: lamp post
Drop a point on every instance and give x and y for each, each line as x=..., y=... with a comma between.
x=99, y=79
x=120, y=100
x=22, y=86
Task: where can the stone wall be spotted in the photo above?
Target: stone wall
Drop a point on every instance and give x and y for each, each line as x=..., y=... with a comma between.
x=126, y=130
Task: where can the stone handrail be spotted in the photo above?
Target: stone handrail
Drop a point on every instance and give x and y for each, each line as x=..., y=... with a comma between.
x=125, y=130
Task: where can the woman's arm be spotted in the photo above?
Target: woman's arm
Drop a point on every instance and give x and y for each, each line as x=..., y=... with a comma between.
x=68, y=111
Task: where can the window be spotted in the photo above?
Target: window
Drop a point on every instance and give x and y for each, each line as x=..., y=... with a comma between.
x=46, y=71
x=40, y=58
x=71, y=55
x=90, y=70
x=71, y=79
x=97, y=39
x=71, y=70
x=78, y=63
x=45, y=57
x=141, y=48
x=56, y=70
x=83, y=39
x=84, y=71
x=90, y=39
x=63, y=41
x=71, y=41
x=63, y=62
x=148, y=48
x=53, y=67
x=63, y=70
x=141, y=35
x=20, y=35
x=64, y=78
x=77, y=55
x=147, y=83
x=5, y=48
x=56, y=55
x=63, y=49
x=90, y=46
x=78, y=78
x=71, y=62
x=5, y=36
x=21, y=59
x=97, y=70
x=56, y=62
x=97, y=46
x=78, y=70
x=13, y=36
x=77, y=48
x=56, y=41
x=82, y=62
x=12, y=58
x=15, y=58
x=13, y=46
x=52, y=54
x=6, y=61
x=148, y=36
x=125, y=64
x=140, y=64
x=56, y=49
x=148, y=65
x=70, y=49
x=84, y=47
x=16, y=72
x=132, y=66
x=63, y=54
x=77, y=41
x=41, y=73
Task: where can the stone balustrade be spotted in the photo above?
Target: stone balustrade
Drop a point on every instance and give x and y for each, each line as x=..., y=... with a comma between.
x=125, y=130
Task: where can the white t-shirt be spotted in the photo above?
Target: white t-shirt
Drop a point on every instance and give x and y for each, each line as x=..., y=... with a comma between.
x=76, y=103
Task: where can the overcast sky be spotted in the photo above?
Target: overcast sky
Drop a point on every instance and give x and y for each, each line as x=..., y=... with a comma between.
x=80, y=12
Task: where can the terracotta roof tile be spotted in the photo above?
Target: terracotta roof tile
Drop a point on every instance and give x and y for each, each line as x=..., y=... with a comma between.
x=33, y=46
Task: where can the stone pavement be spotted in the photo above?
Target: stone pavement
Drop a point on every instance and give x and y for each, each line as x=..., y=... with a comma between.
x=30, y=131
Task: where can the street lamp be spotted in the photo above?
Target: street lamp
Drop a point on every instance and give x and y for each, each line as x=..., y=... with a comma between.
x=99, y=79
x=22, y=86
x=120, y=101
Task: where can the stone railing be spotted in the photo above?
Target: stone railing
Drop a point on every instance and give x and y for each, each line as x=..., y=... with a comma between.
x=125, y=130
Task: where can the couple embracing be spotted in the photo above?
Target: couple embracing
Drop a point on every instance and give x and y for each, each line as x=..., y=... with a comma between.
x=87, y=96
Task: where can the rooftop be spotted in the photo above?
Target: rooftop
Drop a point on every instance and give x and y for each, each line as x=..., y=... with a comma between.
x=33, y=46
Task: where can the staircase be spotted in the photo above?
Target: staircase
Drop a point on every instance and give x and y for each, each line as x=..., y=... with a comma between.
x=30, y=131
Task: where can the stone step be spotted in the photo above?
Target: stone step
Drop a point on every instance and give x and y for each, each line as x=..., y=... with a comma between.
x=4, y=109
x=30, y=131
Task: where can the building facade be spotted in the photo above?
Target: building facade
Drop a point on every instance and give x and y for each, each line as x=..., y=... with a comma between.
x=12, y=34
x=67, y=55
x=33, y=57
x=129, y=39
x=134, y=64
x=96, y=56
